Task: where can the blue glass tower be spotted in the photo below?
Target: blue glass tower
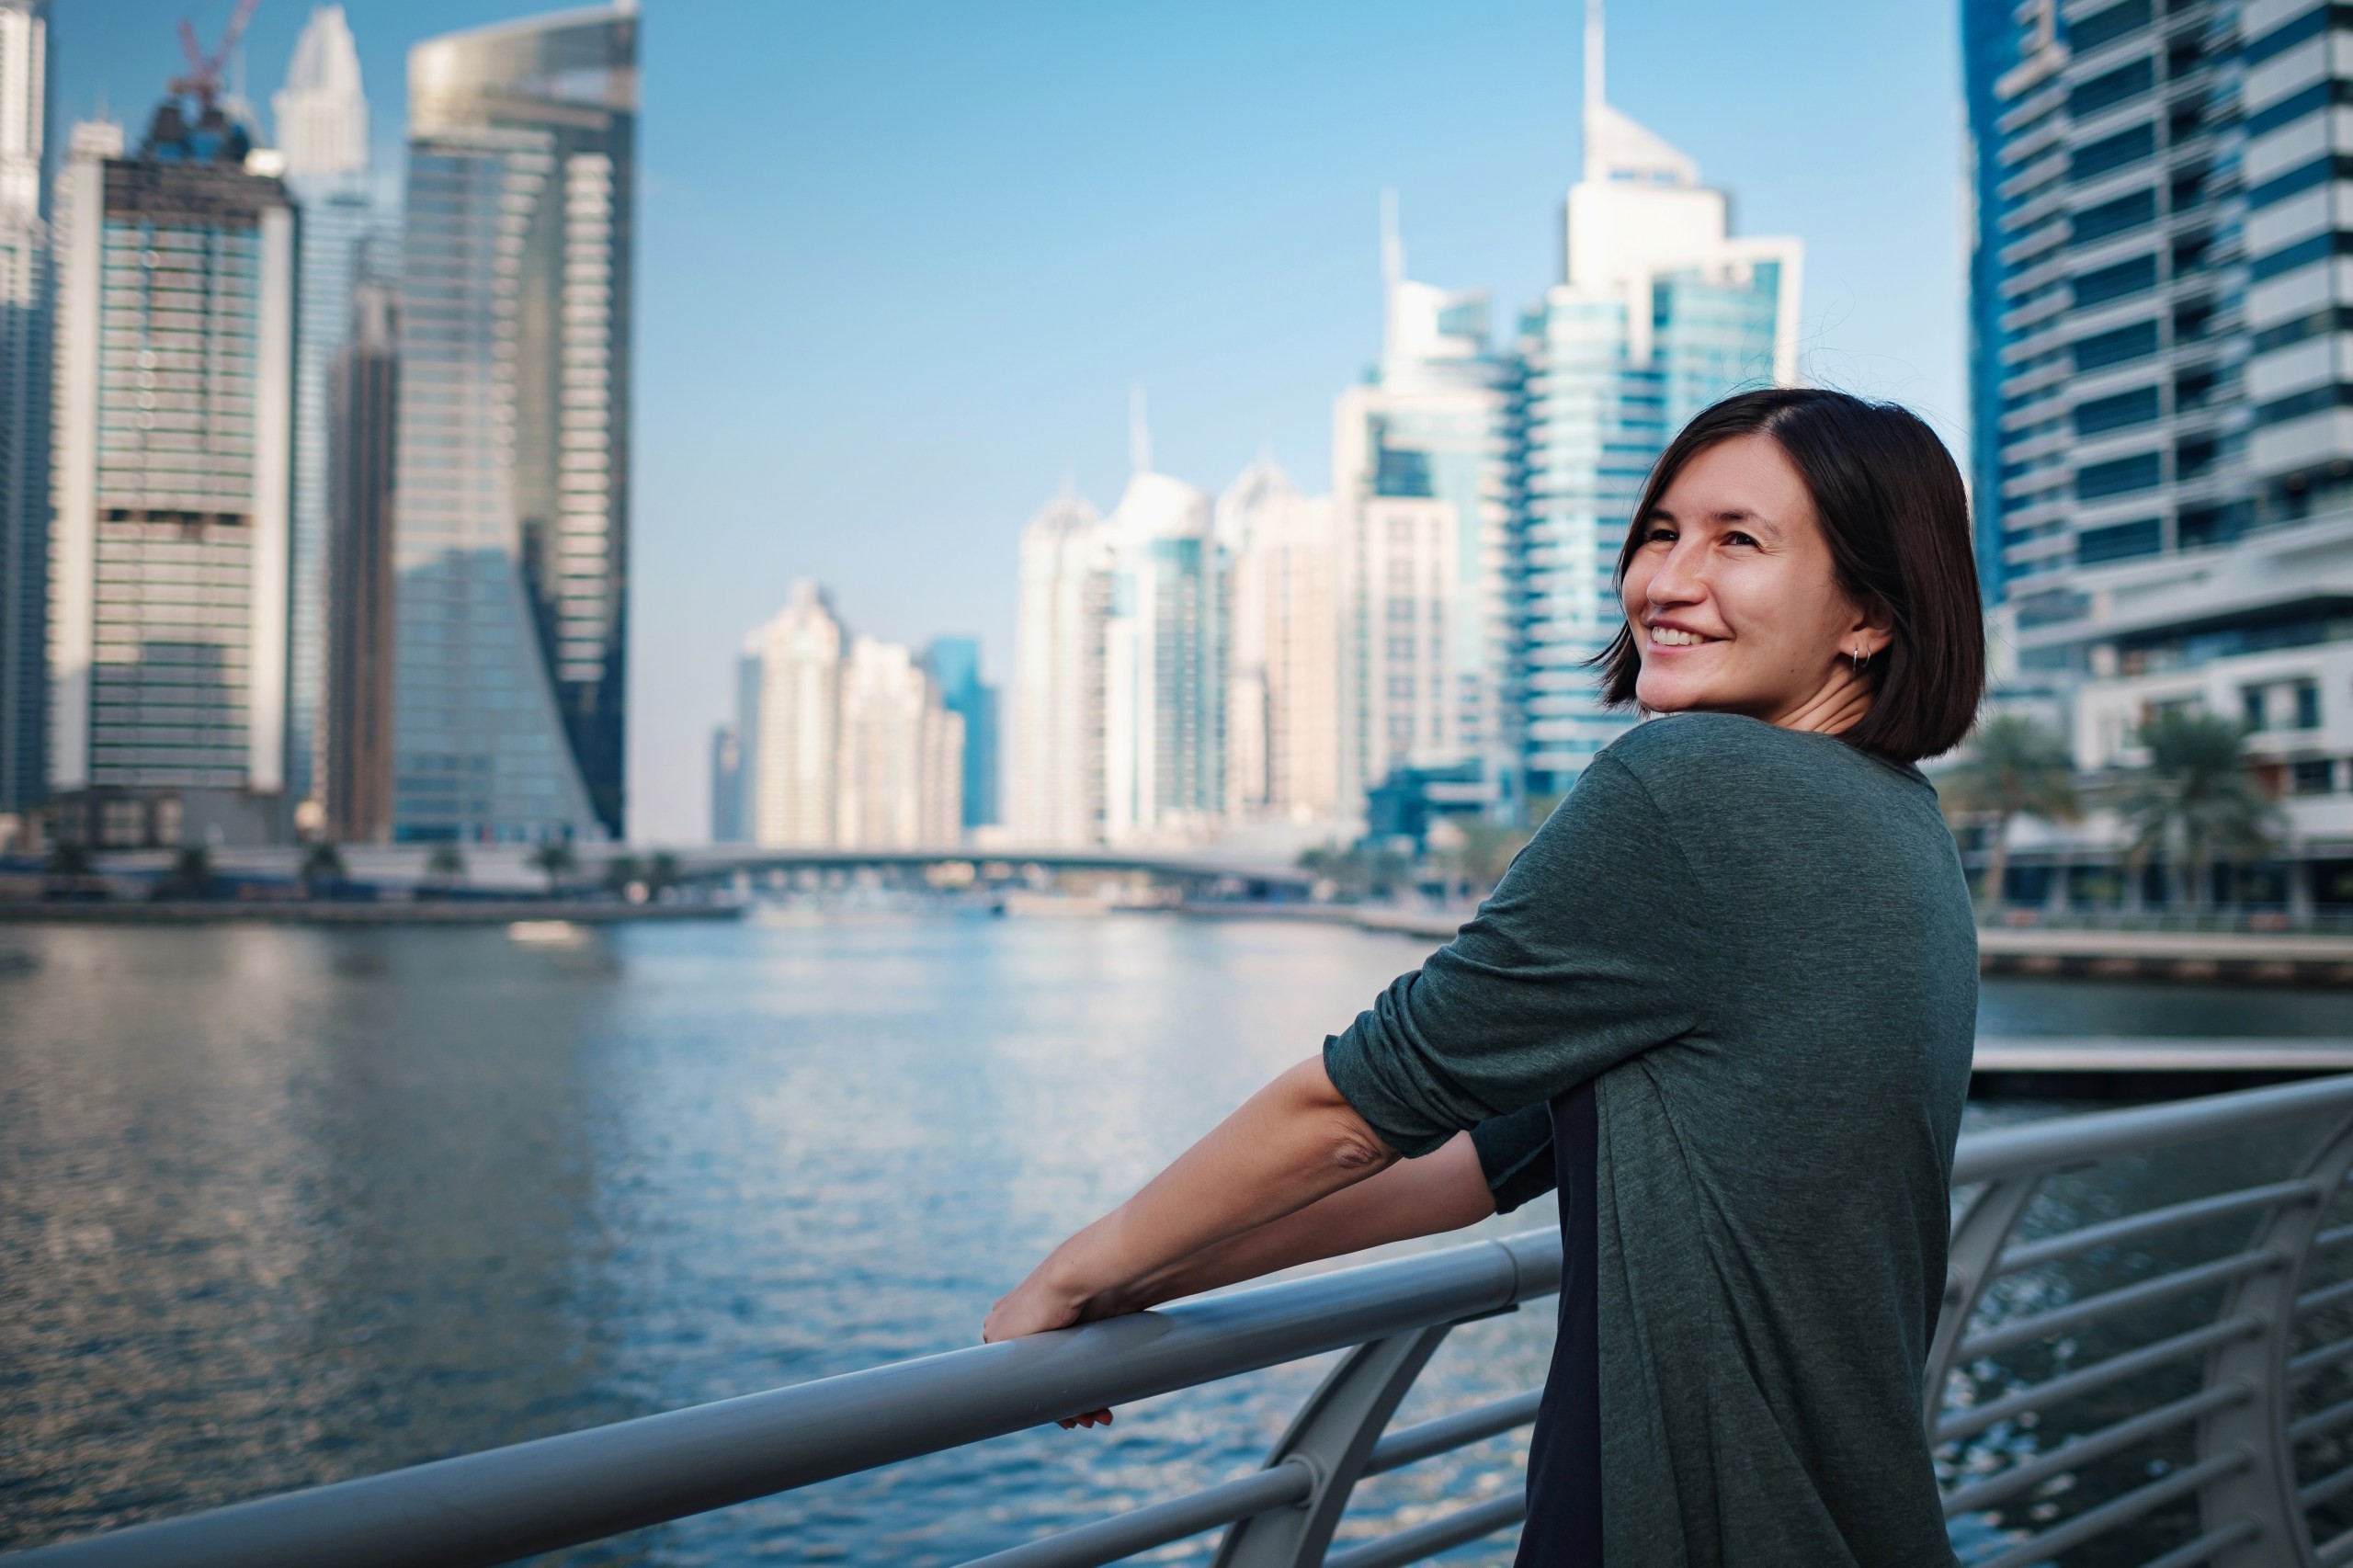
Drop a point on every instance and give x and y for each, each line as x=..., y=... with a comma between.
x=955, y=664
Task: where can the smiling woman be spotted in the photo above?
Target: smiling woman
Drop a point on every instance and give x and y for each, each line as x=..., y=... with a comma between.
x=1723, y=1001
x=1787, y=539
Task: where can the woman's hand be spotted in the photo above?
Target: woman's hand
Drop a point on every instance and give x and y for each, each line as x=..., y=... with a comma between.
x=1034, y=1306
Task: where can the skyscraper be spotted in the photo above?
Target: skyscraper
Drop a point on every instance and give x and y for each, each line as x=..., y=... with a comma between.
x=955, y=664
x=25, y=385
x=847, y=743
x=1282, y=680
x=1066, y=597
x=175, y=405
x=1418, y=484
x=726, y=785
x=363, y=419
x=900, y=754
x=513, y=527
x=1164, y=660
x=796, y=767
x=323, y=137
x=2173, y=526
x=1661, y=313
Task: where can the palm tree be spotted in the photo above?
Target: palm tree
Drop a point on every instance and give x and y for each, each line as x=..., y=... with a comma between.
x=620, y=872
x=2014, y=767
x=554, y=860
x=663, y=872
x=446, y=864
x=323, y=864
x=69, y=869
x=2195, y=799
x=190, y=876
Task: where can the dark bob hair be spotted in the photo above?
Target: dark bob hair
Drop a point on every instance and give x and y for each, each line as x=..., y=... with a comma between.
x=1891, y=502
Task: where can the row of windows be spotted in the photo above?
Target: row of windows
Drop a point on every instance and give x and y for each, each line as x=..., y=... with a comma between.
x=2303, y=177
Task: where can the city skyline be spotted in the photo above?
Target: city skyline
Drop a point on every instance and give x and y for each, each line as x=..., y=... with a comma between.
x=1258, y=252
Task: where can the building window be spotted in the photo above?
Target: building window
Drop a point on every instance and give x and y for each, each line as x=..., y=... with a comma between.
x=2121, y=476
x=2120, y=541
x=2087, y=33
x=2317, y=777
x=2125, y=343
x=2281, y=705
x=2109, y=153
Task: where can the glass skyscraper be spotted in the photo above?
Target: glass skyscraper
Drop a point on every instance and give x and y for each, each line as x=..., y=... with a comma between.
x=955, y=664
x=1663, y=312
x=323, y=137
x=25, y=383
x=513, y=529
x=1419, y=507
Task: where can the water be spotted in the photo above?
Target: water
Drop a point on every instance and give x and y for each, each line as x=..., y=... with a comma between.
x=281, y=1206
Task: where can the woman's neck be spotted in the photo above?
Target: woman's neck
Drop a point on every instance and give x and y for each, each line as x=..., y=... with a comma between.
x=1836, y=708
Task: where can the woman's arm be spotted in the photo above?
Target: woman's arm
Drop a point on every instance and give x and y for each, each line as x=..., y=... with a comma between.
x=1443, y=1190
x=1256, y=1194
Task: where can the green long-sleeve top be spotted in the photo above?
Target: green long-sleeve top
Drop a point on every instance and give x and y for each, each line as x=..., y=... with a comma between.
x=1757, y=945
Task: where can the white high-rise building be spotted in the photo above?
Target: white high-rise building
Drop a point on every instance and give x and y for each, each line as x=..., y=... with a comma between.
x=845, y=739
x=323, y=138
x=323, y=109
x=795, y=757
x=1064, y=599
x=1283, y=682
x=1164, y=661
x=25, y=383
x=174, y=426
x=901, y=753
x=1661, y=313
x=1419, y=496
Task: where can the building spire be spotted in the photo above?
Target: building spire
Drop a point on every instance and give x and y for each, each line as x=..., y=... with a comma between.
x=1392, y=245
x=1593, y=97
x=1139, y=432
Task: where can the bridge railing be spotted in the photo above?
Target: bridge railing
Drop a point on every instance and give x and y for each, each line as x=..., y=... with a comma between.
x=2143, y=1351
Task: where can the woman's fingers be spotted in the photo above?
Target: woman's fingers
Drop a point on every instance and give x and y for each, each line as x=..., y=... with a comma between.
x=1092, y=1419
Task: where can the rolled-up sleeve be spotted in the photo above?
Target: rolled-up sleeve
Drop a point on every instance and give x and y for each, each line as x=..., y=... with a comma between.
x=1585, y=956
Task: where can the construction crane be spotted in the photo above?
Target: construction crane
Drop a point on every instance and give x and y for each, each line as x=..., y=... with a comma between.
x=203, y=78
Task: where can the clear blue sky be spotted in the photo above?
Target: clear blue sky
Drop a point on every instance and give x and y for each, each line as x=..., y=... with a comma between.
x=900, y=260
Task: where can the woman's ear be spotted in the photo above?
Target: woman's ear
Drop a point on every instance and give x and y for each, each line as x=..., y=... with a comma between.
x=1873, y=630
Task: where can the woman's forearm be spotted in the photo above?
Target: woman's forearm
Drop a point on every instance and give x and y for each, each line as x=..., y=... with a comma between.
x=1292, y=1143
x=1443, y=1190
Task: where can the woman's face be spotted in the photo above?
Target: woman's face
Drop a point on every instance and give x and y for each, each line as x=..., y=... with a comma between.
x=1731, y=596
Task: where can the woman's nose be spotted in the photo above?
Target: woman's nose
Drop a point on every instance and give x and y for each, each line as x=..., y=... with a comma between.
x=1679, y=578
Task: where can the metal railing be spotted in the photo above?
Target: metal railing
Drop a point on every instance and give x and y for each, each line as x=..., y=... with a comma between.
x=2140, y=1348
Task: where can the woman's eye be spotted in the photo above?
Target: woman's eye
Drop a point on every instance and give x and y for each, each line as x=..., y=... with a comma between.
x=1659, y=536
x=1737, y=536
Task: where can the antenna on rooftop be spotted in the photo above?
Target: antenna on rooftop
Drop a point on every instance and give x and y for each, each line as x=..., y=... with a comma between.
x=1139, y=432
x=1392, y=245
x=1593, y=89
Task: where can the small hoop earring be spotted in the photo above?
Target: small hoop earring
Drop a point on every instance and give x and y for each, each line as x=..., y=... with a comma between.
x=1861, y=658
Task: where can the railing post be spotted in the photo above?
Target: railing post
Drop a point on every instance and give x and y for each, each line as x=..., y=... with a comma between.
x=1335, y=1433
x=2265, y=1492
x=1969, y=1260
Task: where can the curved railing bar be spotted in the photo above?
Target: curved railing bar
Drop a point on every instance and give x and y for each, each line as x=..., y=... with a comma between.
x=1124, y=1535
x=2066, y=1140
x=492, y=1507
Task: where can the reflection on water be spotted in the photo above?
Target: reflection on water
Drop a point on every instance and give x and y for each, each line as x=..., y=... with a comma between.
x=281, y=1206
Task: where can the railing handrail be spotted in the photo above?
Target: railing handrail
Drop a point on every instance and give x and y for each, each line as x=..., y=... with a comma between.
x=2039, y=1145
x=504, y=1503
x=513, y=1502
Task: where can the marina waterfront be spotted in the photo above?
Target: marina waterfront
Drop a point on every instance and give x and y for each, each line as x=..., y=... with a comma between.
x=282, y=1205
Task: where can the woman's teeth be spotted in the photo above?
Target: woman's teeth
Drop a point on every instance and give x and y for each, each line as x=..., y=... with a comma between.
x=1668, y=637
